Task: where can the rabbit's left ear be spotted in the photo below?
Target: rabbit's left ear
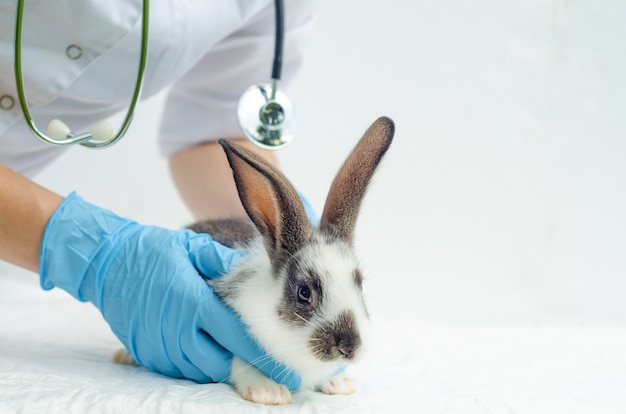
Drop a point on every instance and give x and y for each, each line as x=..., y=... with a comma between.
x=348, y=189
x=271, y=201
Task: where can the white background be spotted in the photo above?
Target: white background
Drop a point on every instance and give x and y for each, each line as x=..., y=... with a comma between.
x=502, y=197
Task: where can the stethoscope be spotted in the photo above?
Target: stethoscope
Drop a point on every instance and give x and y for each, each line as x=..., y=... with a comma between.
x=265, y=114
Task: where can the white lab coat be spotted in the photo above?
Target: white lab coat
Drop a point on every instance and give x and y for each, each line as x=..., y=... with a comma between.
x=80, y=60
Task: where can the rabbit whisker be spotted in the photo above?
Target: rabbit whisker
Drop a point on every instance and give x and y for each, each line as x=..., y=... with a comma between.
x=320, y=327
x=295, y=344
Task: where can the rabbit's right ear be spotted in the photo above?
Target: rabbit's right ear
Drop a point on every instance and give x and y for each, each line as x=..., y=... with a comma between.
x=271, y=201
x=348, y=189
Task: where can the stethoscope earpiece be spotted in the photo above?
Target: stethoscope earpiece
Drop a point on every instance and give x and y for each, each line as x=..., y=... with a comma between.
x=58, y=130
x=266, y=116
x=58, y=133
x=101, y=133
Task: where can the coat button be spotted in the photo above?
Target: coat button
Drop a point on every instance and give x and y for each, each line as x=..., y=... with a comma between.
x=74, y=52
x=6, y=102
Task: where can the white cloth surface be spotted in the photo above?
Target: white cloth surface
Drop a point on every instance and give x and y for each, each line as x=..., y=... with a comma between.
x=55, y=356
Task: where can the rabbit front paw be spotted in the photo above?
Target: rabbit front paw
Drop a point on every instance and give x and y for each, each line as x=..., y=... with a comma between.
x=338, y=385
x=123, y=357
x=253, y=386
x=269, y=394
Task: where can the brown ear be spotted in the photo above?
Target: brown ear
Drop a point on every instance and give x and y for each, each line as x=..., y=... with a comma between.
x=348, y=189
x=271, y=201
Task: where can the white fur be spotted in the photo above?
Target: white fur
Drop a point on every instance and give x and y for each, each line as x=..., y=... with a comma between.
x=256, y=387
x=258, y=299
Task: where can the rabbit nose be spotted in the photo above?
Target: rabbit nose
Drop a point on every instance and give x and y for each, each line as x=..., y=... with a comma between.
x=347, y=347
x=337, y=339
x=345, y=336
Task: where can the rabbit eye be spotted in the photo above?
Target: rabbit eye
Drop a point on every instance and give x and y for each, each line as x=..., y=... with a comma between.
x=304, y=294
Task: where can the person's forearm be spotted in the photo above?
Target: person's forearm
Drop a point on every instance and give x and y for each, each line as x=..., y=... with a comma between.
x=25, y=208
x=205, y=181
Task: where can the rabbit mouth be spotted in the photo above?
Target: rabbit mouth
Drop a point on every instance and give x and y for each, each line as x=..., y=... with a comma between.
x=337, y=340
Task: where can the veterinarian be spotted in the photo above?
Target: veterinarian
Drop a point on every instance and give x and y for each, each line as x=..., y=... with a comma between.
x=79, y=64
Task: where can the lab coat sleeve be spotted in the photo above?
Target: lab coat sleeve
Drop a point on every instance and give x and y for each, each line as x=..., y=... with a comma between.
x=201, y=106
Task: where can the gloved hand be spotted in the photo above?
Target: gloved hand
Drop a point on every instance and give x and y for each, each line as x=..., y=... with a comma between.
x=146, y=282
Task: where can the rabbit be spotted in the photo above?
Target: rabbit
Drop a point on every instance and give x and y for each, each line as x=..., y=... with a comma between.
x=299, y=288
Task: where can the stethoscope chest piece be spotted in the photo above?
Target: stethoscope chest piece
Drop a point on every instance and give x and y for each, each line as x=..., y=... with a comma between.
x=266, y=116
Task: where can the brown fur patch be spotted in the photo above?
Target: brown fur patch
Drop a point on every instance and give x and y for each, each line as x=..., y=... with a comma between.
x=229, y=232
x=292, y=309
x=350, y=184
x=338, y=339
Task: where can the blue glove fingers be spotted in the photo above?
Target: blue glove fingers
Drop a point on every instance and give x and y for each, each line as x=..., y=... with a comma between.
x=181, y=350
x=226, y=328
x=150, y=313
x=209, y=257
x=211, y=361
x=194, y=352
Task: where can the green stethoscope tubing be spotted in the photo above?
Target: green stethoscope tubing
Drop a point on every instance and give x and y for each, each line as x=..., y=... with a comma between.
x=84, y=139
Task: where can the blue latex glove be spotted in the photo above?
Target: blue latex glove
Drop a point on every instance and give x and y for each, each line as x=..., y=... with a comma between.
x=146, y=282
x=308, y=208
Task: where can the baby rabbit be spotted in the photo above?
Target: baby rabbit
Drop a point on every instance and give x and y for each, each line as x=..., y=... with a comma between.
x=299, y=288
